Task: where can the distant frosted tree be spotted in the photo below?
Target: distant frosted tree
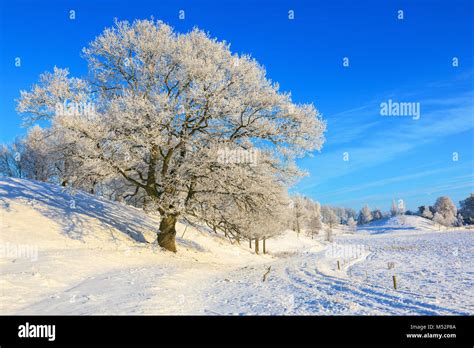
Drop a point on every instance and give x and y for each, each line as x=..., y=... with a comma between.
x=329, y=234
x=10, y=155
x=329, y=215
x=440, y=220
x=401, y=207
x=315, y=223
x=325, y=211
x=350, y=213
x=352, y=223
x=365, y=216
x=426, y=212
x=342, y=214
x=260, y=225
x=300, y=213
x=377, y=214
x=467, y=209
x=331, y=218
x=28, y=157
x=446, y=211
x=394, y=209
x=459, y=220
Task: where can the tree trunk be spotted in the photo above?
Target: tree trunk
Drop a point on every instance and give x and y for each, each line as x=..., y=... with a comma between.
x=92, y=191
x=147, y=204
x=167, y=235
x=256, y=246
x=264, y=250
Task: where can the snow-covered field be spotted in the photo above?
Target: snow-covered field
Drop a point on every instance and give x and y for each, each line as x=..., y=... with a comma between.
x=72, y=253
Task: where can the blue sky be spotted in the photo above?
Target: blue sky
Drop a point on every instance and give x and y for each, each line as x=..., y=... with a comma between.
x=407, y=60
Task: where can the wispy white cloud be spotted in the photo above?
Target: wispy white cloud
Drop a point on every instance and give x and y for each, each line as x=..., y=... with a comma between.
x=395, y=138
x=429, y=190
x=383, y=182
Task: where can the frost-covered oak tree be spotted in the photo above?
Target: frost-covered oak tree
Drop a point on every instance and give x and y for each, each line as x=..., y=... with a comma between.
x=163, y=105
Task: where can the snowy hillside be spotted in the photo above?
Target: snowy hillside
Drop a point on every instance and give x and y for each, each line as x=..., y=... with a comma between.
x=400, y=223
x=56, y=244
x=72, y=253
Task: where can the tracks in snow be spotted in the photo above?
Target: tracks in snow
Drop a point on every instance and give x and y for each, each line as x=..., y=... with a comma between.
x=294, y=285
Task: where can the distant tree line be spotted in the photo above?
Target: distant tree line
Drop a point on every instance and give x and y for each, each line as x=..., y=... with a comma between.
x=310, y=216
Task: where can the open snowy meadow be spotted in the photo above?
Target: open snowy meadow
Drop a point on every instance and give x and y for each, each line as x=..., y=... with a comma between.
x=66, y=252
